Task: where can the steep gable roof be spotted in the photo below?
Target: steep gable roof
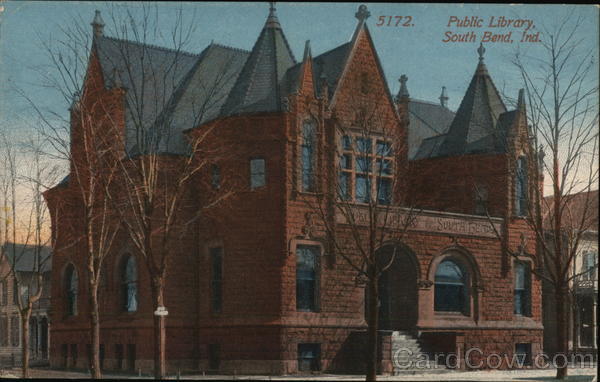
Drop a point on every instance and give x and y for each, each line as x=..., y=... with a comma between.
x=258, y=85
x=426, y=120
x=26, y=257
x=149, y=74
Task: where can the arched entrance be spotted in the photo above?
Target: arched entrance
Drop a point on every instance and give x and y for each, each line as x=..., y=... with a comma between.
x=398, y=304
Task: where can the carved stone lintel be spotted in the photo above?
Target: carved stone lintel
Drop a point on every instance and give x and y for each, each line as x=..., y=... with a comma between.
x=424, y=284
x=309, y=226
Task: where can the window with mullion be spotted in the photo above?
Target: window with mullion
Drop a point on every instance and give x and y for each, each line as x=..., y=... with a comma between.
x=307, y=271
x=522, y=292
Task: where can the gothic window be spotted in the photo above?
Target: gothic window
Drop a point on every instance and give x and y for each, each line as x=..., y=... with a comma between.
x=307, y=270
x=216, y=279
x=257, y=173
x=481, y=199
x=129, y=284
x=521, y=188
x=451, y=288
x=363, y=172
x=308, y=156
x=71, y=289
x=522, y=289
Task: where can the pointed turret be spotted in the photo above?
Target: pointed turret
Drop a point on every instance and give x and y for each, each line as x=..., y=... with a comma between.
x=98, y=24
x=474, y=126
x=258, y=85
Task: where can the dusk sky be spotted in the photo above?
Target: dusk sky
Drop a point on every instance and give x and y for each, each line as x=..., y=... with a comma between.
x=417, y=50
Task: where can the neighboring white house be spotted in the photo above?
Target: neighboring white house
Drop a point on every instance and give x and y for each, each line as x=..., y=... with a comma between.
x=10, y=321
x=583, y=331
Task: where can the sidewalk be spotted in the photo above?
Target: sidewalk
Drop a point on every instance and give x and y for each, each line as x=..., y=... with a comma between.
x=575, y=375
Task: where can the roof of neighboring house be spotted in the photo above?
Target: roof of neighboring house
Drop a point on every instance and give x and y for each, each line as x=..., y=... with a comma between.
x=27, y=258
x=574, y=206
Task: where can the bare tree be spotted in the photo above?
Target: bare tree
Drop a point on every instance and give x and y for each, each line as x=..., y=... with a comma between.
x=25, y=220
x=561, y=92
x=358, y=223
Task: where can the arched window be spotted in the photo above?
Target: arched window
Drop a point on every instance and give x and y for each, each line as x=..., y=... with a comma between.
x=129, y=284
x=71, y=285
x=451, y=288
x=308, y=154
x=521, y=189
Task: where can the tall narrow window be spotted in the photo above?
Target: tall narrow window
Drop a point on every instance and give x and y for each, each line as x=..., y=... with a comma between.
x=481, y=199
x=3, y=331
x=451, y=288
x=307, y=262
x=71, y=284
x=215, y=176
x=14, y=331
x=257, y=173
x=129, y=284
x=308, y=156
x=521, y=190
x=522, y=289
x=589, y=264
x=15, y=292
x=216, y=280
x=4, y=292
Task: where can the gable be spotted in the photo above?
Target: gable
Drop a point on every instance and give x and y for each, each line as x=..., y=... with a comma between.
x=362, y=81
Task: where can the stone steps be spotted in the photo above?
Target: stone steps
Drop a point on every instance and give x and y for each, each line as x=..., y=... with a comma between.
x=409, y=357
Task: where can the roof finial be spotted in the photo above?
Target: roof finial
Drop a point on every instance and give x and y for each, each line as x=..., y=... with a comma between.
x=272, y=21
x=443, y=97
x=403, y=93
x=481, y=51
x=98, y=24
x=362, y=14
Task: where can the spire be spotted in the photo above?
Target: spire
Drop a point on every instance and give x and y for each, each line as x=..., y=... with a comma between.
x=403, y=92
x=257, y=87
x=475, y=123
x=444, y=97
x=98, y=24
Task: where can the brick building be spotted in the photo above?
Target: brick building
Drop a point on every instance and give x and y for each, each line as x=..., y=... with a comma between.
x=256, y=286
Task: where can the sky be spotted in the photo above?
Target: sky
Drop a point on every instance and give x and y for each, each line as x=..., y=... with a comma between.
x=412, y=45
x=417, y=50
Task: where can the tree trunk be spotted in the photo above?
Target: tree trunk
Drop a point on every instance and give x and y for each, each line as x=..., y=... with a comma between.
x=25, y=314
x=95, y=371
x=373, y=321
x=562, y=332
x=159, y=330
